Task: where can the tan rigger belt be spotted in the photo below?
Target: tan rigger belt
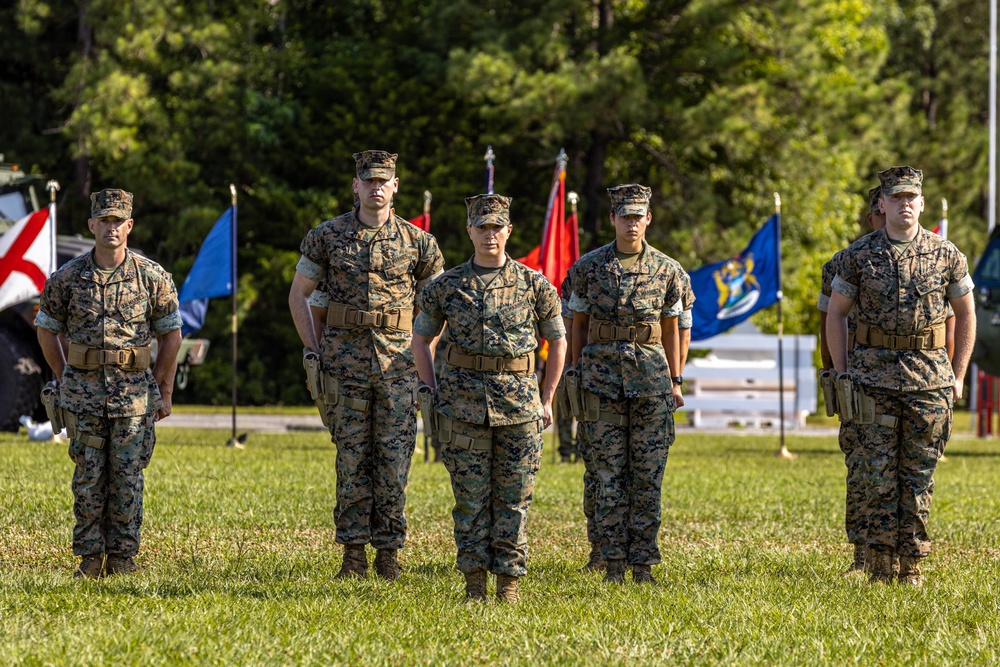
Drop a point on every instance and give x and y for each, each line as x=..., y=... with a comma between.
x=478, y=362
x=603, y=331
x=931, y=338
x=342, y=316
x=91, y=358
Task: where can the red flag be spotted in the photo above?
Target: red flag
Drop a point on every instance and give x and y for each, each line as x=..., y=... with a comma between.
x=422, y=221
x=560, y=245
x=27, y=256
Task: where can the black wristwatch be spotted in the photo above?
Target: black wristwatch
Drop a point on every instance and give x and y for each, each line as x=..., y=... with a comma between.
x=677, y=379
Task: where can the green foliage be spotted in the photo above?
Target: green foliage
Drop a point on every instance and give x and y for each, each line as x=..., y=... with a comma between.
x=239, y=554
x=715, y=104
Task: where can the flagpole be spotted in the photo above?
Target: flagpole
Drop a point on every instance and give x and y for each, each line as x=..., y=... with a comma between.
x=53, y=188
x=944, y=218
x=489, y=157
x=783, y=451
x=234, y=323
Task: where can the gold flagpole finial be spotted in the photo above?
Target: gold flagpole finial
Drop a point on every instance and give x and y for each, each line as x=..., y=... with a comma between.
x=53, y=188
x=427, y=201
x=573, y=199
x=777, y=203
x=944, y=207
x=232, y=191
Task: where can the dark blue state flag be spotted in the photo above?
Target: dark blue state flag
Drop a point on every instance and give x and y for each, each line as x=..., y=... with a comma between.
x=732, y=290
x=210, y=276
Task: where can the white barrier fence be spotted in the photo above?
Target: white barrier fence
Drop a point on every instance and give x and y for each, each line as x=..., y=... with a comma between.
x=737, y=383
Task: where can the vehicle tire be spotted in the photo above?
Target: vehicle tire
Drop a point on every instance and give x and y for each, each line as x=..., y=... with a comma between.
x=22, y=375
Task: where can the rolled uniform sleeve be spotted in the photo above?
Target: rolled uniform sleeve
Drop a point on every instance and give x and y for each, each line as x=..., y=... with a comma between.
x=844, y=286
x=961, y=281
x=548, y=310
x=45, y=321
x=310, y=269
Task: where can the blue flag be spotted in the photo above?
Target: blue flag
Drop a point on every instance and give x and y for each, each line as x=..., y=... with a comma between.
x=732, y=290
x=211, y=275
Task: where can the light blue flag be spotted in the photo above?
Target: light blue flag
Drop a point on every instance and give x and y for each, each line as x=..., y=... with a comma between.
x=210, y=276
x=732, y=290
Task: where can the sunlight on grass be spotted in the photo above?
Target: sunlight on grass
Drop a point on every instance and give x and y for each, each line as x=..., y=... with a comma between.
x=239, y=554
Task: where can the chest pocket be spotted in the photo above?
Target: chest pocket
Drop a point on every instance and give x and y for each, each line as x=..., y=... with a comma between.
x=393, y=263
x=516, y=314
x=347, y=262
x=85, y=303
x=647, y=297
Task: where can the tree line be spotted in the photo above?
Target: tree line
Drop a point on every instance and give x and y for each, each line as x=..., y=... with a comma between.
x=714, y=104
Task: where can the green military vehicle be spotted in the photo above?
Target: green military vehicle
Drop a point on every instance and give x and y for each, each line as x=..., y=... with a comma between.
x=23, y=370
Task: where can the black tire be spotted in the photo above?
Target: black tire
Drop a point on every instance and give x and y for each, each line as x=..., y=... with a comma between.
x=22, y=375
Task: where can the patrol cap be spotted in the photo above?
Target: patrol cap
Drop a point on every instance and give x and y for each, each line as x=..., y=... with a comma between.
x=873, y=197
x=488, y=210
x=901, y=179
x=111, y=201
x=375, y=164
x=631, y=199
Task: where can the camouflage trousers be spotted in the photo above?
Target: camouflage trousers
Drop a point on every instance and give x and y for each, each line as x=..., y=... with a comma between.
x=855, y=518
x=629, y=462
x=900, y=465
x=374, y=452
x=108, y=483
x=493, y=490
x=564, y=423
x=589, y=486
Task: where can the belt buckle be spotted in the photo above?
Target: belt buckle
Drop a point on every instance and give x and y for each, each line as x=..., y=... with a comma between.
x=630, y=334
x=495, y=364
x=367, y=318
x=114, y=357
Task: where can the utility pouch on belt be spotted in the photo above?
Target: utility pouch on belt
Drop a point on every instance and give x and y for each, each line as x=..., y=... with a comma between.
x=448, y=436
x=425, y=401
x=826, y=381
x=573, y=393
x=866, y=412
x=846, y=397
x=310, y=361
x=72, y=427
x=49, y=394
x=562, y=398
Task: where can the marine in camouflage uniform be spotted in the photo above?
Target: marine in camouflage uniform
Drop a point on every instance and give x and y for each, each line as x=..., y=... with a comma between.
x=857, y=483
x=490, y=415
x=109, y=304
x=902, y=279
x=372, y=265
x=626, y=300
x=595, y=561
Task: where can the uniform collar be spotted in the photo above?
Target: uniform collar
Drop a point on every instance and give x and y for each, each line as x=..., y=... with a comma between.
x=355, y=227
x=506, y=277
x=126, y=270
x=612, y=265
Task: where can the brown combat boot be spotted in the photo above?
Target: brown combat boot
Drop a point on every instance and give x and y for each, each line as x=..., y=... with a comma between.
x=355, y=562
x=878, y=565
x=909, y=571
x=596, y=562
x=386, y=565
x=615, y=571
x=475, y=586
x=858, y=566
x=119, y=565
x=642, y=574
x=91, y=567
x=507, y=588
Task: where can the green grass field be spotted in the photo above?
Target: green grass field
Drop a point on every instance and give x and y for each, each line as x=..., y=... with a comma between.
x=239, y=555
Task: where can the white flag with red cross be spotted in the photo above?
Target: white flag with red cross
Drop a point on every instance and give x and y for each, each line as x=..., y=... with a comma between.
x=27, y=256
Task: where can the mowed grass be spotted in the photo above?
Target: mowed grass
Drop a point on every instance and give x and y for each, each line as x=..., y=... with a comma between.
x=239, y=555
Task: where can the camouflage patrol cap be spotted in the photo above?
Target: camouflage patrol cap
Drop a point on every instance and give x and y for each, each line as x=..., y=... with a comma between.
x=873, y=196
x=375, y=164
x=111, y=201
x=488, y=210
x=901, y=179
x=631, y=199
